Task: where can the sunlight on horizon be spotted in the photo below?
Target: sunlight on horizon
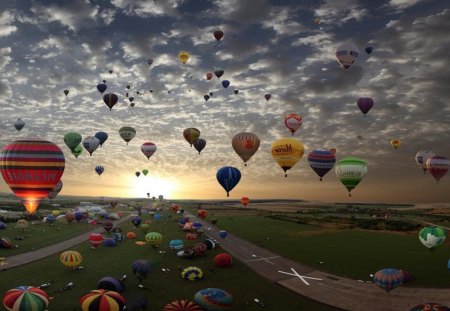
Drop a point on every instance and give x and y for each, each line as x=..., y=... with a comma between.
x=156, y=186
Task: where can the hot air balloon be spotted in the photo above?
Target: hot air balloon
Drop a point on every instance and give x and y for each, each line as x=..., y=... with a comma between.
x=209, y=76
x=395, y=143
x=111, y=283
x=153, y=238
x=432, y=237
x=369, y=50
x=431, y=306
x=346, y=55
x=293, y=122
x=102, y=300
x=110, y=100
x=91, y=144
x=19, y=124
x=137, y=174
x=225, y=83
x=31, y=168
x=99, y=169
x=77, y=151
x=101, y=87
x=218, y=34
x=5, y=243
x=223, y=260
x=127, y=133
x=150, y=61
x=183, y=56
x=72, y=140
x=223, y=234
x=66, y=92
x=199, y=144
x=437, y=166
x=71, y=259
x=236, y=91
x=219, y=73
x=182, y=305
x=267, y=96
x=192, y=273
x=351, y=171
x=141, y=268
x=201, y=213
x=228, y=177
x=388, y=279
x=365, y=104
x=287, y=152
x=136, y=221
x=245, y=144
x=245, y=201
x=102, y=137
x=206, y=97
x=317, y=20
x=191, y=135
x=321, y=161
x=96, y=239
x=421, y=158
x=55, y=191
x=211, y=94
x=25, y=298
x=214, y=299
x=148, y=149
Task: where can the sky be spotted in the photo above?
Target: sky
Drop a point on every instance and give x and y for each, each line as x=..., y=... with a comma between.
x=268, y=47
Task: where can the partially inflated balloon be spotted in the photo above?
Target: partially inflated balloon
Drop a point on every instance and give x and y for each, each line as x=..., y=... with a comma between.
x=421, y=158
x=77, y=151
x=287, y=152
x=183, y=56
x=351, y=171
x=245, y=201
x=293, y=122
x=228, y=177
x=110, y=100
x=395, y=143
x=346, y=55
x=102, y=137
x=148, y=149
x=388, y=279
x=437, y=166
x=99, y=169
x=91, y=144
x=72, y=140
x=31, y=168
x=245, y=144
x=127, y=133
x=365, y=104
x=199, y=144
x=19, y=124
x=321, y=161
x=55, y=191
x=191, y=135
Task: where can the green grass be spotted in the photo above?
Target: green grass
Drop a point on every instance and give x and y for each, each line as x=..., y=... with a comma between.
x=351, y=253
x=239, y=280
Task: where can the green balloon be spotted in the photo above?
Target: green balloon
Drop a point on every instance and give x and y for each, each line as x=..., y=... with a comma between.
x=432, y=237
x=145, y=228
x=77, y=151
x=145, y=171
x=153, y=238
x=72, y=140
x=350, y=172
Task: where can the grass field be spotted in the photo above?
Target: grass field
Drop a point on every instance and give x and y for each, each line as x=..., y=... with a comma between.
x=351, y=253
x=239, y=280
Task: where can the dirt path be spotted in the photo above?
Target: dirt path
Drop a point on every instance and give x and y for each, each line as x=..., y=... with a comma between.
x=24, y=258
x=341, y=292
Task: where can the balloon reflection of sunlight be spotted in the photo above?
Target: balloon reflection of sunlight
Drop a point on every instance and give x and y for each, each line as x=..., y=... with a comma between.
x=156, y=186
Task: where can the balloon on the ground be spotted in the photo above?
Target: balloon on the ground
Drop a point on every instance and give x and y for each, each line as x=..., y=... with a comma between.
x=71, y=259
x=91, y=144
x=5, y=243
x=437, y=166
x=432, y=237
x=111, y=283
x=430, y=307
x=201, y=213
x=108, y=225
x=153, y=238
x=127, y=133
x=199, y=144
x=351, y=172
x=388, y=279
x=19, y=124
x=200, y=249
x=26, y=298
x=102, y=300
x=421, y=158
x=245, y=144
x=191, y=135
x=141, y=268
x=96, y=239
x=228, y=177
x=321, y=161
x=148, y=149
x=192, y=273
x=214, y=299
x=293, y=122
x=2, y=225
x=223, y=234
x=182, y=305
x=32, y=168
x=346, y=55
x=223, y=260
x=287, y=152
x=176, y=244
x=102, y=137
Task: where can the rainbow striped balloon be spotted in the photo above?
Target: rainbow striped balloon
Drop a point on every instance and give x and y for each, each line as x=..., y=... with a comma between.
x=32, y=168
x=25, y=298
x=71, y=259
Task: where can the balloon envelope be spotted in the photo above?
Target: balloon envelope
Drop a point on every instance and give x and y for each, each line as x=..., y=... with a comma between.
x=72, y=140
x=71, y=258
x=388, y=279
x=55, y=191
x=99, y=169
x=225, y=83
x=245, y=144
x=293, y=122
x=421, y=158
x=102, y=300
x=287, y=152
x=199, y=144
x=102, y=137
x=26, y=298
x=91, y=144
x=19, y=124
x=365, y=104
x=183, y=56
x=321, y=161
x=228, y=177
x=432, y=237
x=148, y=149
x=437, y=166
x=110, y=100
x=77, y=151
x=127, y=133
x=395, y=143
x=350, y=172
x=191, y=135
x=218, y=34
x=245, y=201
x=346, y=55
x=101, y=87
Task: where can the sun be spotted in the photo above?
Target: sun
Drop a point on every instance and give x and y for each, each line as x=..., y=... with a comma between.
x=152, y=186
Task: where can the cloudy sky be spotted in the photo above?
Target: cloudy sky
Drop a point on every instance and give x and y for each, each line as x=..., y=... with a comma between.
x=268, y=47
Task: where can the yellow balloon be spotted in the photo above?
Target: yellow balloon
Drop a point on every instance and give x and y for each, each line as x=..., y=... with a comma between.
x=56, y=213
x=287, y=152
x=317, y=21
x=395, y=143
x=183, y=56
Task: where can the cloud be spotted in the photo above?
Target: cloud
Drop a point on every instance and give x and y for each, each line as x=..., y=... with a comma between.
x=6, y=27
x=339, y=12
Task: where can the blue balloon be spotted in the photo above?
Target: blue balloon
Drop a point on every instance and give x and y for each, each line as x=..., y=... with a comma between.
x=228, y=177
x=369, y=49
x=99, y=169
x=102, y=137
x=225, y=83
x=109, y=242
x=78, y=216
x=101, y=87
x=157, y=216
x=136, y=221
x=50, y=218
x=223, y=234
x=448, y=265
x=2, y=225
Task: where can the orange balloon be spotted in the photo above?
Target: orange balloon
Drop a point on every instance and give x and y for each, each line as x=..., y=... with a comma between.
x=245, y=201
